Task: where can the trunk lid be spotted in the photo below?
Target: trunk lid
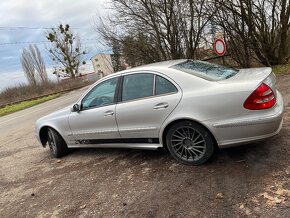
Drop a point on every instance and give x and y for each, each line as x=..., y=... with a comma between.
x=249, y=75
x=253, y=75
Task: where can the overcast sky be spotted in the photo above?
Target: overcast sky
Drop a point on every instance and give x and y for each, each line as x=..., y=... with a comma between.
x=33, y=15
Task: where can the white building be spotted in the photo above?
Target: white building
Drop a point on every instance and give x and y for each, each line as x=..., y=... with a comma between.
x=102, y=64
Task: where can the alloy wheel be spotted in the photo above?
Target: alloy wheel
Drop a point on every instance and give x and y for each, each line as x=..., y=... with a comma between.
x=188, y=143
x=51, y=141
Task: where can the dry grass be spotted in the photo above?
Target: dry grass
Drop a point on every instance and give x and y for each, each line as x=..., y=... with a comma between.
x=25, y=104
x=278, y=69
x=24, y=92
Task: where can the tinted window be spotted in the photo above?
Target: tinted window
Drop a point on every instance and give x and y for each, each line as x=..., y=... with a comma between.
x=163, y=86
x=137, y=86
x=103, y=94
x=206, y=70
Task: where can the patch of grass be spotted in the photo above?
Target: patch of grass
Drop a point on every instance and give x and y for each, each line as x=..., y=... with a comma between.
x=278, y=69
x=25, y=104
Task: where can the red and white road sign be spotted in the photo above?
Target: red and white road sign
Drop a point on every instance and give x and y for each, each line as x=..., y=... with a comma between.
x=220, y=47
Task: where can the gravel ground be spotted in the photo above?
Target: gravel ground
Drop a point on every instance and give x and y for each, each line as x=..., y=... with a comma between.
x=251, y=180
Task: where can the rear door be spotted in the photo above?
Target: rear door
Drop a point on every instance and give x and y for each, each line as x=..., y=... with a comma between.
x=146, y=101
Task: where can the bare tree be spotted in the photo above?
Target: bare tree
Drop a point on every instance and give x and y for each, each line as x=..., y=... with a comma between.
x=155, y=30
x=158, y=29
x=28, y=67
x=235, y=32
x=33, y=65
x=66, y=50
x=116, y=56
x=38, y=63
x=258, y=26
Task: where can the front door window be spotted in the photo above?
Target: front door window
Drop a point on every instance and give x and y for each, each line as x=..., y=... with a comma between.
x=101, y=95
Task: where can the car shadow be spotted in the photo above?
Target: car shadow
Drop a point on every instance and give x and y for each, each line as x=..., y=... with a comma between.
x=121, y=153
x=251, y=153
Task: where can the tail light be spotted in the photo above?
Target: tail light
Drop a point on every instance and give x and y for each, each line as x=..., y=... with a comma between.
x=262, y=98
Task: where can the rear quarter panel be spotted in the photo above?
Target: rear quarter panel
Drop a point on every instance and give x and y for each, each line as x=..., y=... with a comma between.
x=213, y=103
x=204, y=101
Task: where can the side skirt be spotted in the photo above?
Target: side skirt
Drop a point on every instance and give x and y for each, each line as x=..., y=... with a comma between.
x=139, y=143
x=118, y=145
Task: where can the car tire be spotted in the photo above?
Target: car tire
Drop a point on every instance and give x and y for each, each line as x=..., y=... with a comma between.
x=190, y=143
x=57, y=145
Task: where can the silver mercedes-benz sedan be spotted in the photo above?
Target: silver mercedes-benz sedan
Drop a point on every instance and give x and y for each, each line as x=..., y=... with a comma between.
x=189, y=107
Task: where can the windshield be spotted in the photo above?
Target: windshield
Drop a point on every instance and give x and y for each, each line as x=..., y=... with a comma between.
x=206, y=70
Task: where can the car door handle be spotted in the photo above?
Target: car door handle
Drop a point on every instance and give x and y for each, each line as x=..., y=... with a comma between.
x=160, y=106
x=108, y=113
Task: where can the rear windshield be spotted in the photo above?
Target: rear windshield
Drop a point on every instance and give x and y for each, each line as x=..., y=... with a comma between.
x=206, y=70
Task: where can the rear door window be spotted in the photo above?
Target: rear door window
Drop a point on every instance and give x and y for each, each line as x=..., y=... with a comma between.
x=163, y=86
x=136, y=86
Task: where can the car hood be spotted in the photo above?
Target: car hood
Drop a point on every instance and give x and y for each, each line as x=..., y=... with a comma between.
x=60, y=113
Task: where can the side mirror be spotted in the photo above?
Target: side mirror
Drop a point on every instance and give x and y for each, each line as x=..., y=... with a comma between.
x=76, y=108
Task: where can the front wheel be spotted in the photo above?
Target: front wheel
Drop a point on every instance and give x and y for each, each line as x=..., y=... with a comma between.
x=57, y=145
x=190, y=143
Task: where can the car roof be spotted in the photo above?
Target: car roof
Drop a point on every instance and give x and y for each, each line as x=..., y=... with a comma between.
x=166, y=64
x=162, y=64
x=182, y=79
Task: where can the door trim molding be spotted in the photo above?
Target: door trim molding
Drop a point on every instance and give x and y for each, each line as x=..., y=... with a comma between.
x=137, y=129
x=119, y=141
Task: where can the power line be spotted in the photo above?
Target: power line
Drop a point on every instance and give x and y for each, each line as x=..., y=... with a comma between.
x=16, y=43
x=32, y=28
x=35, y=42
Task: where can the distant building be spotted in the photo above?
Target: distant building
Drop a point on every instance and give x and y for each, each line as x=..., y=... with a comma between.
x=102, y=64
x=91, y=77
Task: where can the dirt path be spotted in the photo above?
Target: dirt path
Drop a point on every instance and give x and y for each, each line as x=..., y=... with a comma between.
x=252, y=180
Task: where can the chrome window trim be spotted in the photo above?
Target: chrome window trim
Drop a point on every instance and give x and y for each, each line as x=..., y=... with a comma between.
x=154, y=86
x=97, y=107
x=92, y=86
x=153, y=96
x=155, y=73
x=168, y=81
x=139, y=72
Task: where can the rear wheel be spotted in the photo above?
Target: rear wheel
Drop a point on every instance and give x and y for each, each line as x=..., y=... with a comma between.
x=57, y=145
x=190, y=143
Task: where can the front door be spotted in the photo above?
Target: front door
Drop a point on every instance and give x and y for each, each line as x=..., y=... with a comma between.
x=96, y=122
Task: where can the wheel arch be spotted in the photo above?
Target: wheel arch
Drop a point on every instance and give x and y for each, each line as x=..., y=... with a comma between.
x=43, y=134
x=167, y=127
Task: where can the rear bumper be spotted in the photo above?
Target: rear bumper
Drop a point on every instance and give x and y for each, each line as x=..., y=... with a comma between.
x=241, y=131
